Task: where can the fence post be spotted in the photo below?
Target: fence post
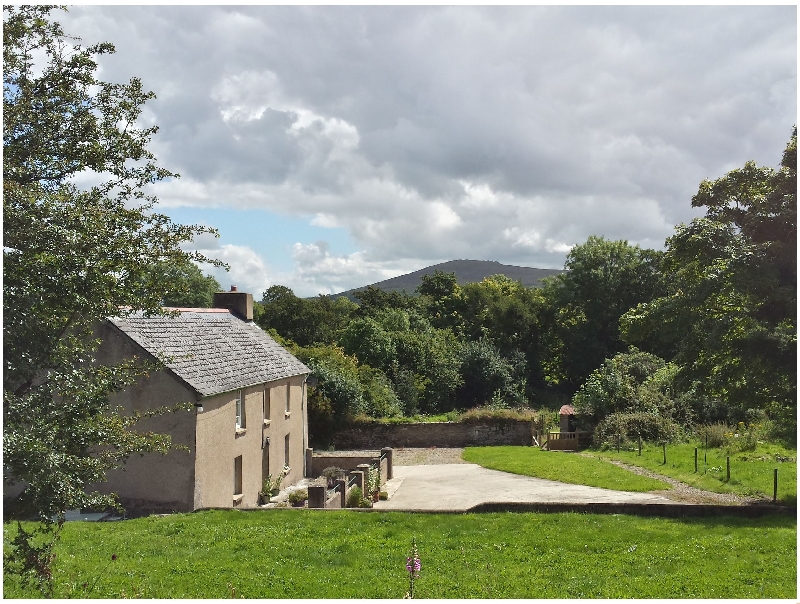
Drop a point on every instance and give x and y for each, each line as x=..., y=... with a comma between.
x=617, y=442
x=695, y=460
x=728, y=471
x=664, y=448
x=775, y=484
x=640, y=445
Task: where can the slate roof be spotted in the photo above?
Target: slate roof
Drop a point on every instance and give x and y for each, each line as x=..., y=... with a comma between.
x=213, y=351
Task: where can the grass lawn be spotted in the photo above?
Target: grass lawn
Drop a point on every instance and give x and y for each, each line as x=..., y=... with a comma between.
x=565, y=467
x=346, y=554
x=751, y=471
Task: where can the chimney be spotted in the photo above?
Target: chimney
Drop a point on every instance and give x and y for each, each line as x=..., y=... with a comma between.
x=239, y=302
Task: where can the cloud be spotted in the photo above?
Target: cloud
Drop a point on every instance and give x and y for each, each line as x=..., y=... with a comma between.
x=318, y=271
x=248, y=271
x=434, y=133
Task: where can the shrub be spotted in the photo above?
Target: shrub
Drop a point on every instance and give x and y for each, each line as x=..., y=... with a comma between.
x=332, y=473
x=631, y=426
x=298, y=496
x=354, y=497
x=616, y=387
x=713, y=434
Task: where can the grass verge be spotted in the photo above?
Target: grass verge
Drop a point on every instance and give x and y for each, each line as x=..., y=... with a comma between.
x=340, y=554
x=564, y=467
x=751, y=471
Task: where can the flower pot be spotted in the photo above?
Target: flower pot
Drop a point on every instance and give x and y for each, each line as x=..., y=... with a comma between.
x=375, y=496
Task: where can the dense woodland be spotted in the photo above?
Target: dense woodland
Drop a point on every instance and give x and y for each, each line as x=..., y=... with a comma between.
x=642, y=342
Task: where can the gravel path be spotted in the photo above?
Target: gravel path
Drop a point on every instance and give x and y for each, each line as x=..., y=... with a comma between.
x=681, y=491
x=426, y=457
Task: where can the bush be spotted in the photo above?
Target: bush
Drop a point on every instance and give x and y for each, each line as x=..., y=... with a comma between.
x=354, y=497
x=713, y=434
x=332, y=472
x=298, y=496
x=630, y=426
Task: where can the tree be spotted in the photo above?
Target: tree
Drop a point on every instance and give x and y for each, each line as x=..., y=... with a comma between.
x=507, y=312
x=184, y=282
x=72, y=257
x=730, y=311
x=582, y=307
x=489, y=378
x=306, y=321
x=632, y=395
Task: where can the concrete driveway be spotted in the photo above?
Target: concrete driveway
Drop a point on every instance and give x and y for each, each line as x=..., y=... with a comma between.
x=459, y=487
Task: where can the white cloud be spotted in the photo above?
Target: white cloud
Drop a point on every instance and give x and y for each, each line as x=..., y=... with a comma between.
x=433, y=133
x=320, y=272
x=248, y=271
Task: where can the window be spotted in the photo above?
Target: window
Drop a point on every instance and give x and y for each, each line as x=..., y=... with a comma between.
x=240, y=418
x=286, y=450
x=266, y=403
x=237, y=476
x=288, y=398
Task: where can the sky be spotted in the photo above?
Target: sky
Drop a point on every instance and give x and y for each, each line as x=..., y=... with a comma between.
x=333, y=147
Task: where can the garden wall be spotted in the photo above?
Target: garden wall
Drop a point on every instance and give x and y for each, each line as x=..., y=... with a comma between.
x=488, y=432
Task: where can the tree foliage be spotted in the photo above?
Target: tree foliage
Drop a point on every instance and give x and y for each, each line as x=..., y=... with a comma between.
x=72, y=256
x=582, y=307
x=304, y=321
x=184, y=283
x=730, y=312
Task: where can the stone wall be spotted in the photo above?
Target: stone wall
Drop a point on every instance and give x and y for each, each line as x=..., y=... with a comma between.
x=489, y=432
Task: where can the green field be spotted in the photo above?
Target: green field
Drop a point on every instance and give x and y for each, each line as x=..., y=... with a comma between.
x=751, y=471
x=564, y=467
x=346, y=554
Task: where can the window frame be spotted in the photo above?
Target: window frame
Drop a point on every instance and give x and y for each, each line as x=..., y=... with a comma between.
x=238, y=476
x=241, y=417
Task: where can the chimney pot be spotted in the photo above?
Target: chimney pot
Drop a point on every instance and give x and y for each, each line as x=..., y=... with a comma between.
x=233, y=288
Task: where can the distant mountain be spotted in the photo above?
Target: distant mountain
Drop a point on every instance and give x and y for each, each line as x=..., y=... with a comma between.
x=466, y=271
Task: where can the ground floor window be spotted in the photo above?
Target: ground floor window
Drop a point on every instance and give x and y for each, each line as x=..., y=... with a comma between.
x=286, y=450
x=237, y=476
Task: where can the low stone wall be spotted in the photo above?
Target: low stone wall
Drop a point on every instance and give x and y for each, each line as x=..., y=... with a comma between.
x=346, y=460
x=350, y=461
x=490, y=432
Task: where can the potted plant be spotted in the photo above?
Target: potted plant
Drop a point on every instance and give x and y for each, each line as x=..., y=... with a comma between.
x=298, y=498
x=331, y=473
x=270, y=487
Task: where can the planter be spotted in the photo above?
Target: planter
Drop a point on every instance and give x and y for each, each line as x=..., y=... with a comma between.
x=375, y=496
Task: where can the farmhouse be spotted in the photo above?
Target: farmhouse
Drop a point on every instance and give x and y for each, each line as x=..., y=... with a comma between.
x=249, y=418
